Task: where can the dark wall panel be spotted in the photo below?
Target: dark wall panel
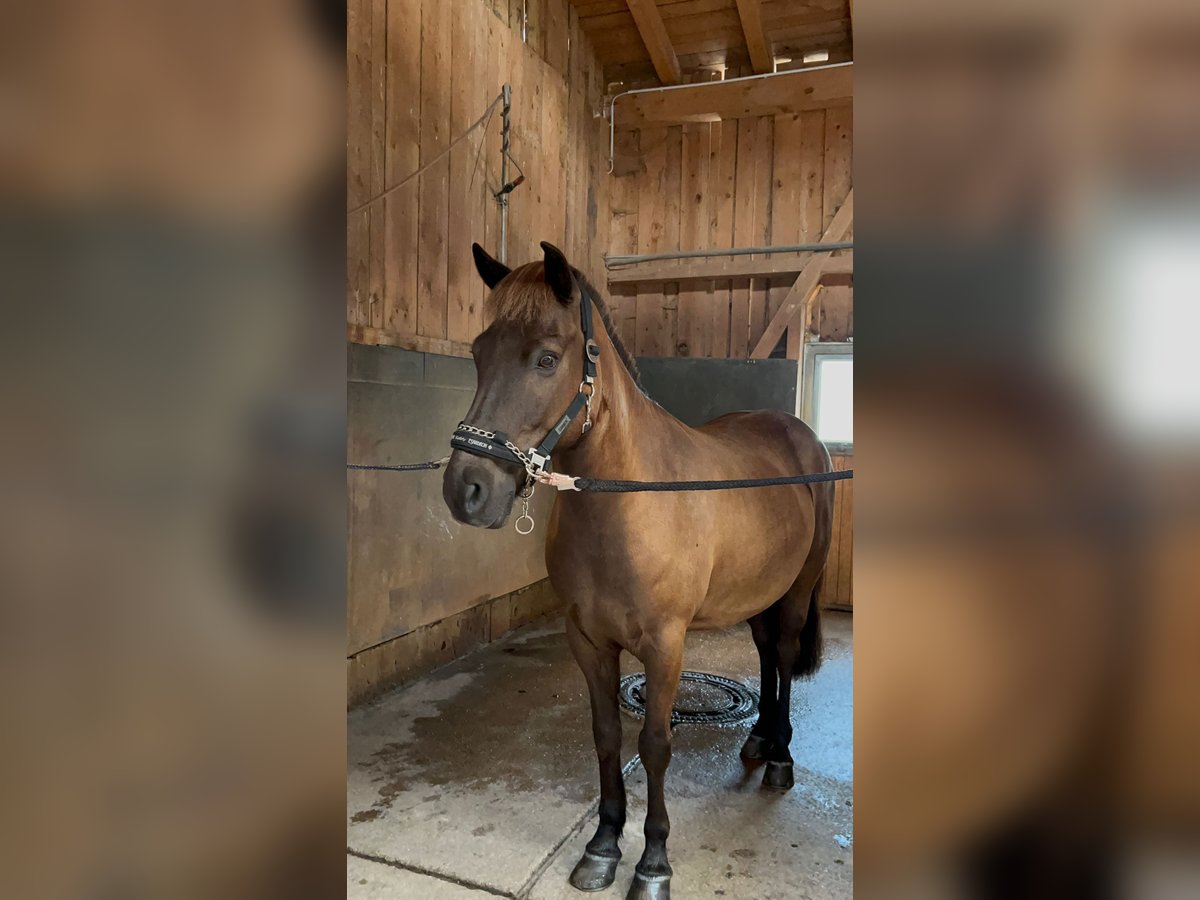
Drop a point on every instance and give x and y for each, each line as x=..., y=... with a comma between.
x=410, y=563
x=697, y=390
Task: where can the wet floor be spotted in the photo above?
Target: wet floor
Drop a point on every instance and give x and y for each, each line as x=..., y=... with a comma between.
x=480, y=780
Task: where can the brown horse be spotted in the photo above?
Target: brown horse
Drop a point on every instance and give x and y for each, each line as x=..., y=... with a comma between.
x=640, y=569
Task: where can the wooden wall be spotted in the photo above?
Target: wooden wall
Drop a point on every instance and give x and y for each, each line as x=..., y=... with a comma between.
x=838, y=584
x=420, y=72
x=757, y=181
x=733, y=183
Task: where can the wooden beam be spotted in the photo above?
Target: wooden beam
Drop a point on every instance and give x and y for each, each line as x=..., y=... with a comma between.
x=832, y=278
x=378, y=337
x=808, y=279
x=756, y=36
x=785, y=92
x=658, y=43
x=706, y=269
x=797, y=299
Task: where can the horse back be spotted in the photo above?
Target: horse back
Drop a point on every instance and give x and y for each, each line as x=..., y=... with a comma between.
x=776, y=435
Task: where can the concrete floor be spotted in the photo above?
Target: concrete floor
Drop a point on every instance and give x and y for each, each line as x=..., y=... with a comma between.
x=480, y=780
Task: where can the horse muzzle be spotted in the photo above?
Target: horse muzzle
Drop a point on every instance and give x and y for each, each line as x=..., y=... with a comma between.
x=478, y=491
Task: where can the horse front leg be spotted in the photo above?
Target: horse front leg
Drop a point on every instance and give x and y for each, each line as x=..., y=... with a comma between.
x=597, y=868
x=664, y=663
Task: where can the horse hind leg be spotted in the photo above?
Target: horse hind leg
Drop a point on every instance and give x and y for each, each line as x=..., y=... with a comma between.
x=798, y=654
x=764, y=627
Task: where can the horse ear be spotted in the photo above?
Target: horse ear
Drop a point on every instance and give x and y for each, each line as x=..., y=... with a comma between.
x=492, y=271
x=558, y=273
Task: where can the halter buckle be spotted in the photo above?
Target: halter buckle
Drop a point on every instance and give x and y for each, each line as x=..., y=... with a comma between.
x=537, y=462
x=593, y=350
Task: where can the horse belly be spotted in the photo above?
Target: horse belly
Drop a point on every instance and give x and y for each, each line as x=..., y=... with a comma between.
x=750, y=576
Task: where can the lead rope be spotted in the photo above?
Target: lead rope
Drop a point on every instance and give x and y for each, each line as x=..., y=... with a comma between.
x=602, y=486
x=525, y=524
x=407, y=467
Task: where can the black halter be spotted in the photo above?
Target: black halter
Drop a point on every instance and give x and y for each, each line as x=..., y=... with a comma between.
x=536, y=460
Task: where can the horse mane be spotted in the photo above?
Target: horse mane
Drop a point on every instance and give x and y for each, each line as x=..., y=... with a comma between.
x=524, y=297
x=611, y=327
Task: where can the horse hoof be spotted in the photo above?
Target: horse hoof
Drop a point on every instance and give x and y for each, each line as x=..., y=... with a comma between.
x=594, y=873
x=649, y=887
x=778, y=775
x=755, y=748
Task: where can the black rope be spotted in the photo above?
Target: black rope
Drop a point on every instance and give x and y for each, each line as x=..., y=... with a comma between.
x=602, y=486
x=407, y=467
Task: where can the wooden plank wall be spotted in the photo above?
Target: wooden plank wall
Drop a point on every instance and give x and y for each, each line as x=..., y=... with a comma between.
x=767, y=180
x=837, y=588
x=419, y=73
x=757, y=181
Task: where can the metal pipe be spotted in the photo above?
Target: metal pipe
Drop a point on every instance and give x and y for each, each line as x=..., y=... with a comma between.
x=612, y=108
x=611, y=261
x=506, y=93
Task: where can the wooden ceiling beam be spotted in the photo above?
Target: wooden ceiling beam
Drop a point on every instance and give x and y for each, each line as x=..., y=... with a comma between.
x=658, y=43
x=711, y=101
x=761, y=57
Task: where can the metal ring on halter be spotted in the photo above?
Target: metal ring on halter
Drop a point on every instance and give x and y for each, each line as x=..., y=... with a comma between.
x=525, y=494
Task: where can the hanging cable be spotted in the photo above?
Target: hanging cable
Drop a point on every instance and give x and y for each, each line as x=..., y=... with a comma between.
x=458, y=140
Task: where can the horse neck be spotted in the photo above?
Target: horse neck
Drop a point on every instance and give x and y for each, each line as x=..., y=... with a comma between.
x=623, y=418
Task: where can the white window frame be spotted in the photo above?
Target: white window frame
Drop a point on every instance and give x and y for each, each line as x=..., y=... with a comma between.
x=808, y=374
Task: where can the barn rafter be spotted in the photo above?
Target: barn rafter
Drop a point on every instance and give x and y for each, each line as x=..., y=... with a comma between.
x=647, y=42
x=658, y=42
x=757, y=44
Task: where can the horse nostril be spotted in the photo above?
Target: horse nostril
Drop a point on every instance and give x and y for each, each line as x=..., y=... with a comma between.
x=476, y=494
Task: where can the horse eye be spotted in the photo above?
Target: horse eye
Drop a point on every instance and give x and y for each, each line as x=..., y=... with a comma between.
x=548, y=361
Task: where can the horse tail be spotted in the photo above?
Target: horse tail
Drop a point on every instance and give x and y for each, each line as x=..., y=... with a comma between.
x=808, y=660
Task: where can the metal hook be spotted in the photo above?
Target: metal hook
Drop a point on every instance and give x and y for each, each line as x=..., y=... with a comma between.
x=588, y=395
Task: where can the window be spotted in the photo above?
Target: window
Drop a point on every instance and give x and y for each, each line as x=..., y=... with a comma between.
x=827, y=392
x=1132, y=330
x=833, y=403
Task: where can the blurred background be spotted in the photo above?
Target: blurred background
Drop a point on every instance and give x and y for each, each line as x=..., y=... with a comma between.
x=1027, y=416
x=172, y=380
